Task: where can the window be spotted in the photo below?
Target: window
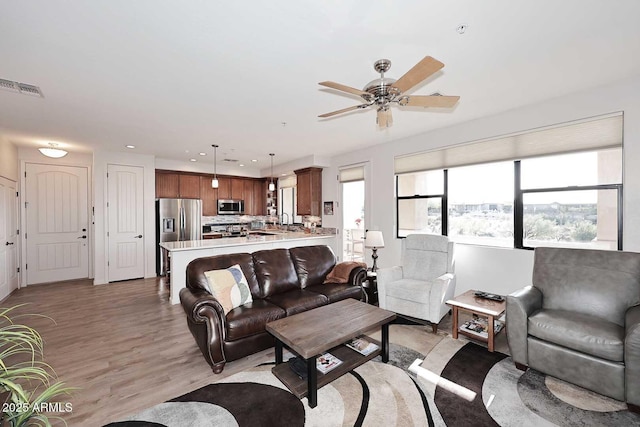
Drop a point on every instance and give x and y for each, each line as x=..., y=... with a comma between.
x=558, y=186
x=420, y=203
x=572, y=200
x=481, y=204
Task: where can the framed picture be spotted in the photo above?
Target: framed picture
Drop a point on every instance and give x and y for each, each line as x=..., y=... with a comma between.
x=328, y=208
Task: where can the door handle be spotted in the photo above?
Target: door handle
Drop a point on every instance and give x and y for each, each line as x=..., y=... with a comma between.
x=8, y=243
x=82, y=237
x=139, y=236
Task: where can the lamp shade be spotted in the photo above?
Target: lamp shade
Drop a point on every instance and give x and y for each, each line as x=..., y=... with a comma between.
x=374, y=239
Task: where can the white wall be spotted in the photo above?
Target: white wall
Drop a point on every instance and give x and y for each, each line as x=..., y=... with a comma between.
x=100, y=161
x=8, y=160
x=494, y=269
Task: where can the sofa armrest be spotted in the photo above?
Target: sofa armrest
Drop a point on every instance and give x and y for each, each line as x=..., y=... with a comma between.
x=386, y=276
x=442, y=290
x=206, y=321
x=632, y=355
x=357, y=277
x=520, y=305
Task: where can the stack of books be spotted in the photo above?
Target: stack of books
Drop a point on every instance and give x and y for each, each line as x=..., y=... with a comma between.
x=362, y=345
x=327, y=362
x=479, y=326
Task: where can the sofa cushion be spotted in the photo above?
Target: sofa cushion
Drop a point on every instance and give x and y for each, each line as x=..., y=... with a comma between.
x=409, y=289
x=312, y=263
x=580, y=332
x=337, y=291
x=251, y=318
x=298, y=300
x=275, y=272
x=196, y=280
x=229, y=287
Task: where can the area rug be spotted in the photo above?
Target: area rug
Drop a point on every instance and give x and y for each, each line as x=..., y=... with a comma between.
x=458, y=383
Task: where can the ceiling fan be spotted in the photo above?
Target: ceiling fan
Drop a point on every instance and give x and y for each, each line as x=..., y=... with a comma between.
x=381, y=93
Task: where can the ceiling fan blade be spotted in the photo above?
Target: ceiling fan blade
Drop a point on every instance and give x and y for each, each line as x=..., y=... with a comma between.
x=436, y=101
x=344, y=110
x=352, y=90
x=384, y=119
x=418, y=73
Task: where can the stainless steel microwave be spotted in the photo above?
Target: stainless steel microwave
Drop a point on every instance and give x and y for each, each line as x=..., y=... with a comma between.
x=230, y=207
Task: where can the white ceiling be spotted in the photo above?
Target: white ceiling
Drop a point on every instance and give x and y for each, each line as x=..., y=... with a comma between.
x=171, y=76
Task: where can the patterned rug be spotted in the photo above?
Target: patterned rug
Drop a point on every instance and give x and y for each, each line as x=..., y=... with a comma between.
x=458, y=384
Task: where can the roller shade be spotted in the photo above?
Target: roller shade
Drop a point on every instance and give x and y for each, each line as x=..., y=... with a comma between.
x=352, y=174
x=592, y=134
x=288, y=181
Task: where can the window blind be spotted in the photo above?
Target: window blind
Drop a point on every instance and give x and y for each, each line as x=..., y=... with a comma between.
x=352, y=174
x=287, y=181
x=591, y=134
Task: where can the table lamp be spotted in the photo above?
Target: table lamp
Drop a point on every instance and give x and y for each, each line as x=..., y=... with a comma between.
x=374, y=240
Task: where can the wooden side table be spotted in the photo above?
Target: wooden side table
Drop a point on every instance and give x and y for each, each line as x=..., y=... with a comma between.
x=481, y=307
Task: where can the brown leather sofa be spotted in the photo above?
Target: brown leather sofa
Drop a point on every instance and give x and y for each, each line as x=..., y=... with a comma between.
x=282, y=282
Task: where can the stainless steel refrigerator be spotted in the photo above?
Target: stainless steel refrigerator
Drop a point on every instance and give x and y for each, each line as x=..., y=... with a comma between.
x=176, y=220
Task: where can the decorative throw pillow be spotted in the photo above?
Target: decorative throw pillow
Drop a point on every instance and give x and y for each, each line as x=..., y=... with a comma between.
x=229, y=287
x=342, y=271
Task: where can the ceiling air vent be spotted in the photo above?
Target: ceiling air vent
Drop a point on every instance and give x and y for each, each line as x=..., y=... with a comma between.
x=230, y=160
x=22, y=88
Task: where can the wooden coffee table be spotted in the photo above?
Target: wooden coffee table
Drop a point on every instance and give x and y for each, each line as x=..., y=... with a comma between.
x=480, y=306
x=323, y=329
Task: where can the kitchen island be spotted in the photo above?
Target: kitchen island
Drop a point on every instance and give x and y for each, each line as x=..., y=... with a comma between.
x=182, y=253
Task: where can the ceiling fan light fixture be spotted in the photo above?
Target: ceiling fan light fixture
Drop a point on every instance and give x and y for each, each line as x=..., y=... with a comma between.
x=52, y=151
x=214, y=182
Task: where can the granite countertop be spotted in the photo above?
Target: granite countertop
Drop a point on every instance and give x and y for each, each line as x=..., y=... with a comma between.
x=240, y=241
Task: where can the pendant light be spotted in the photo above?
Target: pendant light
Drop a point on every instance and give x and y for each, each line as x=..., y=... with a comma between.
x=272, y=186
x=214, y=181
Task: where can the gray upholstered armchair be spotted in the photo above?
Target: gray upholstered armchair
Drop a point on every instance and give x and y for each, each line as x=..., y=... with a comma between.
x=425, y=280
x=580, y=321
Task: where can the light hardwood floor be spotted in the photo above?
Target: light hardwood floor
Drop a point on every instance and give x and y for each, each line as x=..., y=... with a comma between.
x=122, y=344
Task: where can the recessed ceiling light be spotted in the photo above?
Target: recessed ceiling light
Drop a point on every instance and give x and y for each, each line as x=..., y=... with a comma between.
x=186, y=151
x=192, y=160
x=283, y=174
x=130, y=146
x=254, y=160
x=203, y=154
x=241, y=164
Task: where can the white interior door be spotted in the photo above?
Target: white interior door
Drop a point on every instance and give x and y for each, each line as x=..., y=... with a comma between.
x=8, y=237
x=126, y=216
x=56, y=231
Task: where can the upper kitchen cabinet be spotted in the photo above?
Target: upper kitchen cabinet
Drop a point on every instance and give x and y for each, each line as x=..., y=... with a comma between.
x=189, y=186
x=248, y=197
x=175, y=185
x=309, y=191
x=237, y=189
x=209, y=196
x=224, y=188
x=259, y=197
x=167, y=184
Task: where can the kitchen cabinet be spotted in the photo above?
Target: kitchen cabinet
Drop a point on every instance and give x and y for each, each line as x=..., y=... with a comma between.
x=237, y=188
x=189, y=186
x=167, y=185
x=173, y=185
x=249, y=197
x=209, y=196
x=224, y=188
x=309, y=191
x=260, y=197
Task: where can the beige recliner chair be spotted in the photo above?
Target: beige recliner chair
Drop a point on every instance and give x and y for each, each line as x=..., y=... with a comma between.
x=425, y=280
